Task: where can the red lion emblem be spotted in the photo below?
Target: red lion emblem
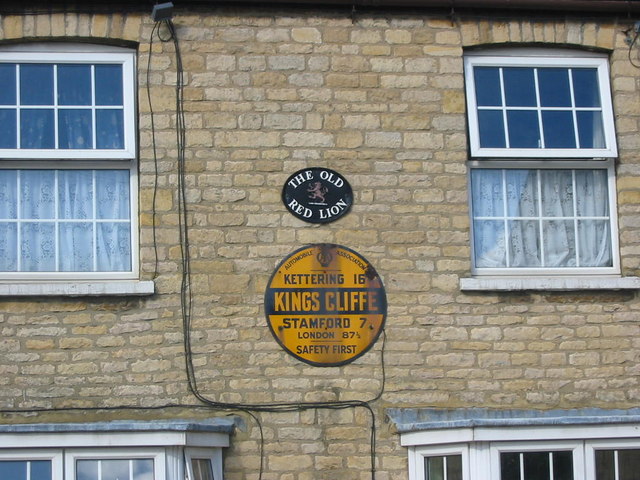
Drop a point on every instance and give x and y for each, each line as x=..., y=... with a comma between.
x=317, y=191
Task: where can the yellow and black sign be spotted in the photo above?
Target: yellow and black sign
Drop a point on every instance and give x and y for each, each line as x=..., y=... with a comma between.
x=325, y=305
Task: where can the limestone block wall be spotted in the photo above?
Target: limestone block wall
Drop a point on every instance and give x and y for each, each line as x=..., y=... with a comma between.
x=379, y=98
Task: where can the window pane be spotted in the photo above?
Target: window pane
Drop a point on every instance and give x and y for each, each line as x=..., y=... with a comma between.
x=112, y=194
x=8, y=82
x=524, y=243
x=454, y=467
x=554, y=87
x=605, y=465
x=487, y=192
x=562, y=466
x=114, y=247
x=37, y=196
x=510, y=466
x=629, y=463
x=36, y=84
x=38, y=247
x=8, y=248
x=519, y=87
x=75, y=194
x=202, y=469
x=143, y=469
x=76, y=247
x=489, y=244
x=590, y=130
x=109, y=129
x=40, y=470
x=557, y=193
x=443, y=468
x=559, y=243
x=109, y=85
x=592, y=193
x=585, y=87
x=8, y=131
x=558, y=129
x=74, y=84
x=87, y=470
x=491, y=129
x=522, y=193
x=8, y=194
x=487, y=83
x=595, y=243
x=523, y=129
x=115, y=470
x=434, y=467
x=37, y=128
x=74, y=129
x=536, y=465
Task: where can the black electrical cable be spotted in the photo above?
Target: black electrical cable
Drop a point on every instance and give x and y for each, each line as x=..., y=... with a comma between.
x=155, y=154
x=632, y=43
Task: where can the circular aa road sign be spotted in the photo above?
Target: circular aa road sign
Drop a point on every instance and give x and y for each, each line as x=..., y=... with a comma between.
x=325, y=305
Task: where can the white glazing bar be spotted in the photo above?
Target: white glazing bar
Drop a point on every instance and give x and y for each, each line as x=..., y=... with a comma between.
x=504, y=108
x=56, y=223
x=538, y=174
x=18, y=109
x=575, y=217
x=94, y=223
x=94, y=123
x=574, y=113
x=541, y=141
x=56, y=126
x=18, y=220
x=505, y=221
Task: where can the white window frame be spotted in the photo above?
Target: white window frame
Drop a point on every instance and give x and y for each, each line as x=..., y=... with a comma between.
x=85, y=283
x=59, y=53
x=614, y=269
x=480, y=447
x=168, y=447
x=73, y=455
x=420, y=454
x=214, y=457
x=524, y=57
x=591, y=447
x=54, y=456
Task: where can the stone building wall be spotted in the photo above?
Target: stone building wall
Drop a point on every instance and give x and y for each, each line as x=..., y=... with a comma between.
x=379, y=98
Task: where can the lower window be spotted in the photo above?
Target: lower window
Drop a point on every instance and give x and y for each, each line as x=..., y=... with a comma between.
x=567, y=459
x=87, y=464
x=128, y=450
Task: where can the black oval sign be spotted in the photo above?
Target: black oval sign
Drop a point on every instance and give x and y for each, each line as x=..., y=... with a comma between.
x=317, y=195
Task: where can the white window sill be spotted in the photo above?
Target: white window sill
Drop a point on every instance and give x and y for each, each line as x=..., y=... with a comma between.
x=549, y=283
x=78, y=289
